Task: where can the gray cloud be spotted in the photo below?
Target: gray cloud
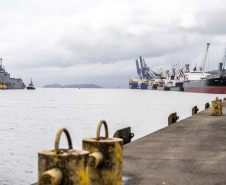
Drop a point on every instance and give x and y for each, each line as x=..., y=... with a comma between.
x=98, y=41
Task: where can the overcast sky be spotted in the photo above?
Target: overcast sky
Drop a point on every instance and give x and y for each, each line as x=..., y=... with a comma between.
x=97, y=41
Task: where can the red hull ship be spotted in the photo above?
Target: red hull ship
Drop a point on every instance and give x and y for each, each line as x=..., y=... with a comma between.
x=213, y=85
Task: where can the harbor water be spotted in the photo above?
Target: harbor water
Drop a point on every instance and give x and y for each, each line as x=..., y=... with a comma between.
x=29, y=120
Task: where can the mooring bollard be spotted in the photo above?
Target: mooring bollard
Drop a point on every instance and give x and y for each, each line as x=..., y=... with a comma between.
x=172, y=118
x=63, y=166
x=195, y=109
x=216, y=107
x=105, y=159
x=124, y=134
x=207, y=105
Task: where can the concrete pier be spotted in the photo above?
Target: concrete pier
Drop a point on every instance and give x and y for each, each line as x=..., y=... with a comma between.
x=191, y=151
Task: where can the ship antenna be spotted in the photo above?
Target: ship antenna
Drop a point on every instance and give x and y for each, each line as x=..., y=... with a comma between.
x=1, y=63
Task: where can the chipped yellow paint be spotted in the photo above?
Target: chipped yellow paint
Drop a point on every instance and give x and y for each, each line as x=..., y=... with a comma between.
x=216, y=108
x=83, y=174
x=118, y=151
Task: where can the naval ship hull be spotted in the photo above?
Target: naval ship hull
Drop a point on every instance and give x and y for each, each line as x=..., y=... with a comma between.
x=214, y=85
x=15, y=84
x=11, y=83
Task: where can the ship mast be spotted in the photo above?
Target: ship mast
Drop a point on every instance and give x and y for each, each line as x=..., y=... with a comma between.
x=224, y=59
x=222, y=65
x=1, y=63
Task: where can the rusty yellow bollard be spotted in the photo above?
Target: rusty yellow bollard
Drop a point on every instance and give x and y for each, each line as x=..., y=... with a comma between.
x=195, y=109
x=172, y=118
x=105, y=159
x=207, y=105
x=63, y=166
x=124, y=134
x=216, y=107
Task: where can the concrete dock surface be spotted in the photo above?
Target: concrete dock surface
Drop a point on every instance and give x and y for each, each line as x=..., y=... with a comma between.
x=191, y=151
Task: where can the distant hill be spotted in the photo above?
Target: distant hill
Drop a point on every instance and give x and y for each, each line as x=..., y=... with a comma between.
x=72, y=86
x=82, y=86
x=53, y=86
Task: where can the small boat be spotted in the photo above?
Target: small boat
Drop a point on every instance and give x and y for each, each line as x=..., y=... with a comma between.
x=3, y=85
x=31, y=86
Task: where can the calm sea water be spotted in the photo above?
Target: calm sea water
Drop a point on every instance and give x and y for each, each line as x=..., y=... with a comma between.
x=29, y=120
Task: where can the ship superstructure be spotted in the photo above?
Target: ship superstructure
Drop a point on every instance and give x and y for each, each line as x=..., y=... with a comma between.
x=11, y=83
x=198, y=75
x=174, y=81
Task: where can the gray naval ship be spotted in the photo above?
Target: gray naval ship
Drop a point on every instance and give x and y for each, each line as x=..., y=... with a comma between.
x=11, y=83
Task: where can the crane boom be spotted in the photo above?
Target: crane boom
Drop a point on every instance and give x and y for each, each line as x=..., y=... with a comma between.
x=205, y=57
x=143, y=70
x=138, y=68
x=224, y=59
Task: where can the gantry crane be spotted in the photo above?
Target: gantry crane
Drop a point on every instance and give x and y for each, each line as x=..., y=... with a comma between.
x=143, y=71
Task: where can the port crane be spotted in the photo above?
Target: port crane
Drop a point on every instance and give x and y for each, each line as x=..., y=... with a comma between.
x=224, y=59
x=222, y=65
x=143, y=70
x=178, y=71
x=202, y=68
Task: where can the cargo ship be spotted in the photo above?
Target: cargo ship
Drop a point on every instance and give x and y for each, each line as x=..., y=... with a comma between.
x=208, y=84
x=11, y=83
x=214, y=85
x=202, y=82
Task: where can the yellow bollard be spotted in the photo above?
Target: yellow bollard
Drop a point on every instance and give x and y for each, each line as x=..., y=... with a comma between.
x=172, y=118
x=195, y=109
x=216, y=107
x=105, y=159
x=63, y=166
x=124, y=134
x=207, y=105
